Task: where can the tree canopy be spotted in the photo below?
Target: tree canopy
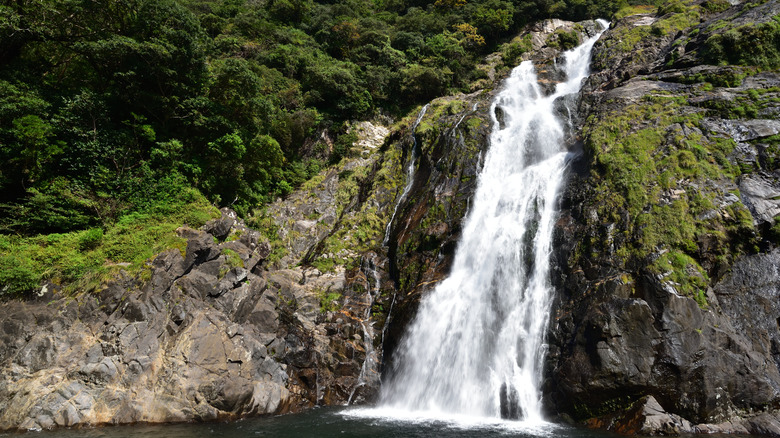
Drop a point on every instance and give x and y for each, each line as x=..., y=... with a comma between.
x=111, y=106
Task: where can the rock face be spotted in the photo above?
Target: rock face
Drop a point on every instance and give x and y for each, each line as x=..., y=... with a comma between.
x=666, y=258
x=233, y=326
x=666, y=248
x=210, y=335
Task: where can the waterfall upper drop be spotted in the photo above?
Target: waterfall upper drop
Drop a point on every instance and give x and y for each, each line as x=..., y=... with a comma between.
x=476, y=346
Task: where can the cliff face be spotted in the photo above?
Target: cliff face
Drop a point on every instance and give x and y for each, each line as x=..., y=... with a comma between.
x=666, y=248
x=202, y=337
x=666, y=257
x=232, y=326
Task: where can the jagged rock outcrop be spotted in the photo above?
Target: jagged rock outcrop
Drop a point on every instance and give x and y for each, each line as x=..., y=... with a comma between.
x=208, y=335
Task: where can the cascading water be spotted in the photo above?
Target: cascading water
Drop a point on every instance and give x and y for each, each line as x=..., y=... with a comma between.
x=476, y=346
x=368, y=372
x=409, y=174
x=369, y=267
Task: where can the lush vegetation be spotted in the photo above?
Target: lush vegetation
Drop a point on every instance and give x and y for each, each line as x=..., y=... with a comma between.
x=749, y=44
x=81, y=260
x=108, y=105
x=111, y=110
x=654, y=173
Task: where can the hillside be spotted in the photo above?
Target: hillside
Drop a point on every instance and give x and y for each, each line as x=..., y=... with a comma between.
x=128, y=296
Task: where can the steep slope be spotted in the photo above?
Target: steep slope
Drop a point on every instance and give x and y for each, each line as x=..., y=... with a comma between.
x=667, y=248
x=666, y=256
x=294, y=310
x=231, y=326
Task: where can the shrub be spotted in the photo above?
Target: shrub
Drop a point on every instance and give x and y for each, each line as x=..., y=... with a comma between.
x=90, y=239
x=750, y=44
x=81, y=260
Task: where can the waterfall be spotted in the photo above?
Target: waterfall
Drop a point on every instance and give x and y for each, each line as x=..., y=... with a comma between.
x=476, y=346
x=409, y=174
x=368, y=373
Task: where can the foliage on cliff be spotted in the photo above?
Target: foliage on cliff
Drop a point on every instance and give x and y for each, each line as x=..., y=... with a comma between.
x=667, y=239
x=101, y=100
x=111, y=108
x=666, y=165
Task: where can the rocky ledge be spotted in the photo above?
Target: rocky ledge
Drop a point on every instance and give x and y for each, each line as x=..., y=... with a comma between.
x=207, y=335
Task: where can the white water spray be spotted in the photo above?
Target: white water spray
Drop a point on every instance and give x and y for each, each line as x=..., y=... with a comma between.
x=476, y=347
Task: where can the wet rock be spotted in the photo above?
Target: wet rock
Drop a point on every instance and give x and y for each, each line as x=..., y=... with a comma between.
x=765, y=424
x=624, y=334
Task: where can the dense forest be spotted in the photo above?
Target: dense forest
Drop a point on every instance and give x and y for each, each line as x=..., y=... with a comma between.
x=124, y=114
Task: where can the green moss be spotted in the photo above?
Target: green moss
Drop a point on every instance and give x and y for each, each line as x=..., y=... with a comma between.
x=232, y=260
x=725, y=78
x=634, y=10
x=425, y=129
x=672, y=7
x=715, y=6
x=474, y=123
x=774, y=232
x=746, y=104
x=83, y=260
x=652, y=181
x=329, y=301
x=324, y=264
x=361, y=223
x=749, y=44
x=770, y=158
x=627, y=38
x=676, y=22
x=564, y=40
x=266, y=225
x=314, y=182
x=584, y=411
x=455, y=107
x=235, y=235
x=668, y=225
x=718, y=25
x=685, y=274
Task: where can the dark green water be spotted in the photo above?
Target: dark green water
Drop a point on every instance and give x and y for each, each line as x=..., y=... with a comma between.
x=325, y=423
x=331, y=423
